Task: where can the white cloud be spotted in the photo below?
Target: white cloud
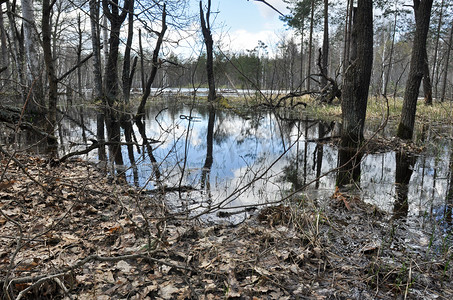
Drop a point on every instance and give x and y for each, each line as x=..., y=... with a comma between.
x=240, y=40
x=268, y=12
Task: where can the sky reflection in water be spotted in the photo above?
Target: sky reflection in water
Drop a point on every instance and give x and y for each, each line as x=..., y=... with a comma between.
x=244, y=146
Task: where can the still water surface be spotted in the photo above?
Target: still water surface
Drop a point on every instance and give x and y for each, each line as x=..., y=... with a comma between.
x=226, y=159
x=260, y=157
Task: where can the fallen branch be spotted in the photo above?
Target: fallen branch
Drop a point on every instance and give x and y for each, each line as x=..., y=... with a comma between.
x=95, y=145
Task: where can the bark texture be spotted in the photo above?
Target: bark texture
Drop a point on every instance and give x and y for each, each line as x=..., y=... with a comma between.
x=422, y=9
x=357, y=76
x=50, y=70
x=34, y=98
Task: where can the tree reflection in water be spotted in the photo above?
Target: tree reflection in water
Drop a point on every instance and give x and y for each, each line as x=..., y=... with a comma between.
x=404, y=169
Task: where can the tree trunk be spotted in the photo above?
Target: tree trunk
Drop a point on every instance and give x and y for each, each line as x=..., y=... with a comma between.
x=447, y=63
x=349, y=162
x=97, y=72
x=142, y=59
x=436, y=48
x=111, y=70
x=4, y=61
x=347, y=35
x=427, y=86
x=17, y=51
x=96, y=45
x=206, y=30
x=79, y=55
x=34, y=93
x=126, y=77
x=302, y=53
x=325, y=45
x=48, y=60
x=105, y=40
x=112, y=120
x=422, y=11
x=357, y=77
x=390, y=63
x=155, y=64
x=310, y=44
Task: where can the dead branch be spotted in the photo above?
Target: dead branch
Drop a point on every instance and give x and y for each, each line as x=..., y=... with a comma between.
x=75, y=67
x=95, y=145
x=328, y=92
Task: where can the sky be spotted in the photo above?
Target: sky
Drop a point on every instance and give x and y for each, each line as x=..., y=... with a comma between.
x=239, y=24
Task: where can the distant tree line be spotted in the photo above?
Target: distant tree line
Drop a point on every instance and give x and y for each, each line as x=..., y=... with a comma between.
x=114, y=48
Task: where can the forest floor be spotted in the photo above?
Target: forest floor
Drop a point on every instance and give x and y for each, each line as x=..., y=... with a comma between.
x=70, y=232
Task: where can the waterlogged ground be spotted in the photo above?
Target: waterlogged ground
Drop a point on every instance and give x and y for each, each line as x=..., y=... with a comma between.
x=386, y=236
x=68, y=232
x=259, y=156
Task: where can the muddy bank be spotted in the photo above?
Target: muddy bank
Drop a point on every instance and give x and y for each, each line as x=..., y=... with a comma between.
x=71, y=232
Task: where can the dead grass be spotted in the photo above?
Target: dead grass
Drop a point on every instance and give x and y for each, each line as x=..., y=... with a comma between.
x=439, y=112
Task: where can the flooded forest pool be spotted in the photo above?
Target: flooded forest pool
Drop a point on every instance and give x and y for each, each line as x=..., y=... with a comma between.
x=222, y=163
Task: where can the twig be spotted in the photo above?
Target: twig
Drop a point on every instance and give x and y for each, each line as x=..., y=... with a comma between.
x=63, y=287
x=88, y=259
x=37, y=283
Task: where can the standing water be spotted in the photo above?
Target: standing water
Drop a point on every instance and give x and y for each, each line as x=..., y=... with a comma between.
x=224, y=163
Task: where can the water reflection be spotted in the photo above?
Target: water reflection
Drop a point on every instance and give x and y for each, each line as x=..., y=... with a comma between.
x=226, y=159
x=349, y=166
x=206, y=171
x=404, y=168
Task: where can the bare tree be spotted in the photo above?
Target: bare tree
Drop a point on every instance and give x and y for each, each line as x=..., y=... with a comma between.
x=155, y=63
x=206, y=30
x=116, y=18
x=310, y=43
x=97, y=70
x=435, y=70
x=4, y=47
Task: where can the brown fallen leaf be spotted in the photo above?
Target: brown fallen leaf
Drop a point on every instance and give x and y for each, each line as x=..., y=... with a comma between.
x=337, y=195
x=6, y=184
